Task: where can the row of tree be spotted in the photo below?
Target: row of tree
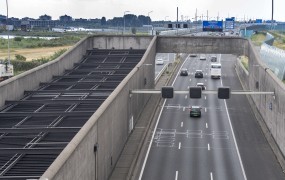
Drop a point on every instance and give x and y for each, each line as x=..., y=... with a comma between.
x=130, y=20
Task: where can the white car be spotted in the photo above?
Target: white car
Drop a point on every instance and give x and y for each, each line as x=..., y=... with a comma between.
x=159, y=62
x=201, y=85
x=202, y=57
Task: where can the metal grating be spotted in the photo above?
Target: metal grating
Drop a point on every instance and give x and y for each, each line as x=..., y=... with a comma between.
x=35, y=129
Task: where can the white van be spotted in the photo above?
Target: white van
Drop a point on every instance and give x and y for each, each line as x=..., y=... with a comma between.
x=216, y=70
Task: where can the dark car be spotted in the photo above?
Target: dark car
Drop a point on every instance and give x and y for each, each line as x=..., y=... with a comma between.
x=193, y=55
x=184, y=72
x=195, y=111
x=198, y=74
x=201, y=85
x=213, y=58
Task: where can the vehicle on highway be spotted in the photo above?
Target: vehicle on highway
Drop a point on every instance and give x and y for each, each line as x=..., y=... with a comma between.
x=213, y=58
x=193, y=55
x=159, y=62
x=183, y=72
x=202, y=85
x=199, y=74
x=216, y=70
x=195, y=111
x=203, y=57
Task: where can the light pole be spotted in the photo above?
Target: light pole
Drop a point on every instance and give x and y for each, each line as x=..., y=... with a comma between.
x=125, y=21
x=149, y=19
x=8, y=33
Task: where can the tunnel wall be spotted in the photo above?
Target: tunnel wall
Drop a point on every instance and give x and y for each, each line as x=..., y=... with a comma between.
x=268, y=108
x=95, y=149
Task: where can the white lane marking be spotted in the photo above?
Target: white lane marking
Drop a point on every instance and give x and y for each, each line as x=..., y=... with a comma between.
x=181, y=124
x=237, y=149
x=208, y=147
x=176, y=175
x=211, y=176
x=205, y=109
x=185, y=96
x=207, y=125
x=157, y=121
x=183, y=108
x=205, y=97
x=188, y=87
x=179, y=147
x=190, y=79
x=205, y=80
x=206, y=74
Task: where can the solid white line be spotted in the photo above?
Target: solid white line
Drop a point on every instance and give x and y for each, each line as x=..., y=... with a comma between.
x=179, y=147
x=181, y=124
x=208, y=147
x=149, y=146
x=211, y=176
x=237, y=149
x=207, y=125
x=176, y=175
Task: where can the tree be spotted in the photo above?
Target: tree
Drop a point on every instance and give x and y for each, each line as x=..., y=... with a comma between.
x=103, y=21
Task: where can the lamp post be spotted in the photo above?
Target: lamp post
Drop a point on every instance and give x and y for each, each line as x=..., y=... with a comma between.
x=8, y=33
x=125, y=21
x=149, y=19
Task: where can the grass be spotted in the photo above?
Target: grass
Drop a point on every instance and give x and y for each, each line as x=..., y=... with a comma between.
x=258, y=38
x=20, y=42
x=244, y=61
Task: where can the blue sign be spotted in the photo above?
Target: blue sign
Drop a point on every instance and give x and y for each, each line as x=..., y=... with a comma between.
x=230, y=23
x=258, y=21
x=213, y=26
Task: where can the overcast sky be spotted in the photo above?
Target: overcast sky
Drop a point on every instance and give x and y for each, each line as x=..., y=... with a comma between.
x=161, y=9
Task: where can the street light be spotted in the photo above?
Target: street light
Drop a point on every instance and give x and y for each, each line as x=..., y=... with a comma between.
x=125, y=21
x=149, y=19
x=8, y=33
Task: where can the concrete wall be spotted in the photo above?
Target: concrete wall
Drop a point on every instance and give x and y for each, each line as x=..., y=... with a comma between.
x=196, y=44
x=270, y=108
x=109, y=127
x=13, y=88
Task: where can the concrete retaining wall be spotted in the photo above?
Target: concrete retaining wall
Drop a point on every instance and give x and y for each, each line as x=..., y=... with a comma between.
x=270, y=108
x=109, y=127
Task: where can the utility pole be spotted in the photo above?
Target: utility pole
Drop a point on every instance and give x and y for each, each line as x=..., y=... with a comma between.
x=272, y=14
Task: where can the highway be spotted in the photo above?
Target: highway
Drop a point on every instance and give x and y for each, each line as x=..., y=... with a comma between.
x=206, y=148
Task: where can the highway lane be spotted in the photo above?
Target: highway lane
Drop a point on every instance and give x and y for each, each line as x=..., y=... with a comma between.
x=193, y=148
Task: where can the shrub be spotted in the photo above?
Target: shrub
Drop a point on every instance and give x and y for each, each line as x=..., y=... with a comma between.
x=20, y=57
x=18, y=39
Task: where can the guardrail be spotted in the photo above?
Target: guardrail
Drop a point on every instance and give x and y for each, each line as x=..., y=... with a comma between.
x=160, y=73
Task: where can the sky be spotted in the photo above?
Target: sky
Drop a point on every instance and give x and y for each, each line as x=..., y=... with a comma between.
x=156, y=9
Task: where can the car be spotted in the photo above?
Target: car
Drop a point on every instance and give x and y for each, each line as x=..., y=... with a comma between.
x=203, y=57
x=213, y=58
x=193, y=55
x=159, y=62
x=195, y=111
x=201, y=85
x=184, y=72
x=199, y=74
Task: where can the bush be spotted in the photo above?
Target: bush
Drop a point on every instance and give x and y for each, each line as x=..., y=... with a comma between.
x=18, y=39
x=20, y=57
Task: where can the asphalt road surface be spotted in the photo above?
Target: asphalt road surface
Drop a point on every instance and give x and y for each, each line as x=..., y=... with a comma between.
x=205, y=148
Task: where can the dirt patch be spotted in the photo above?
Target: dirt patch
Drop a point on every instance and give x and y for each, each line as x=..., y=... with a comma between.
x=30, y=54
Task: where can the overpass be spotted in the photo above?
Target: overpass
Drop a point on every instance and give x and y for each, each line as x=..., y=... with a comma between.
x=95, y=148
